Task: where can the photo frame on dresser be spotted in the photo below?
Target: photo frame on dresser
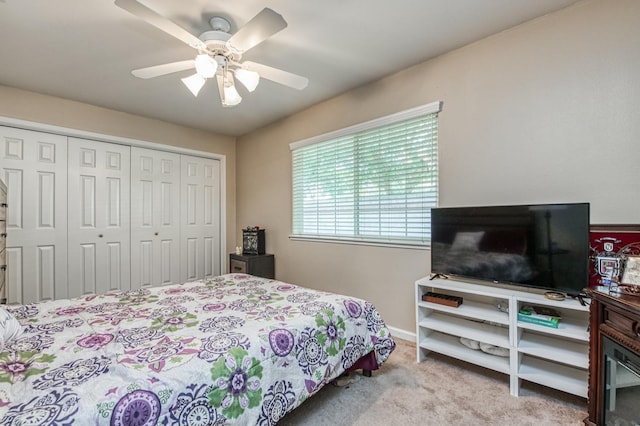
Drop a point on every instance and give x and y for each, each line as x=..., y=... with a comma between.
x=610, y=246
x=631, y=273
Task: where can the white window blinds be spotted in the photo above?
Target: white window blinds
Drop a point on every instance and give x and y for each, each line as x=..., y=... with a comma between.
x=375, y=182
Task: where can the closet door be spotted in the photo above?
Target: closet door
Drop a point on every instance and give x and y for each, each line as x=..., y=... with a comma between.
x=199, y=218
x=99, y=217
x=34, y=167
x=155, y=214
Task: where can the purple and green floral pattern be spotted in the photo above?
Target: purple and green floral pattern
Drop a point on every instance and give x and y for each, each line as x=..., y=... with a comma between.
x=18, y=366
x=236, y=378
x=233, y=349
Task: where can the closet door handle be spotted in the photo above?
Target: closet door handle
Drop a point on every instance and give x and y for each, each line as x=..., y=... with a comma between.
x=100, y=235
x=155, y=233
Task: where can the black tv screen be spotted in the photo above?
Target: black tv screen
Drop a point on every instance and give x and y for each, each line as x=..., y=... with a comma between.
x=542, y=245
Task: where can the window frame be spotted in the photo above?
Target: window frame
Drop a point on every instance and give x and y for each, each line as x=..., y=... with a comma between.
x=423, y=110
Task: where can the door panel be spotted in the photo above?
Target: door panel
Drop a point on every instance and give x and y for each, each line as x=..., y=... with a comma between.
x=99, y=217
x=155, y=211
x=34, y=167
x=200, y=218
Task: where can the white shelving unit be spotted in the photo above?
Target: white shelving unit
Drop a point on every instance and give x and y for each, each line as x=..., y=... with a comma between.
x=557, y=358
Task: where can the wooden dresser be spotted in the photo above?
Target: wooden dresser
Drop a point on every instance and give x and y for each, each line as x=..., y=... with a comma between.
x=614, y=356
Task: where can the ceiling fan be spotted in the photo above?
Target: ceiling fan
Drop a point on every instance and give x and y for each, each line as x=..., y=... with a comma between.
x=219, y=53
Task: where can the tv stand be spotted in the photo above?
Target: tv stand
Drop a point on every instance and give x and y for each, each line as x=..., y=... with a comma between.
x=553, y=357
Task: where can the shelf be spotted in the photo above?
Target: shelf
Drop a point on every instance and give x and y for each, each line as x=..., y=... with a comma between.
x=573, y=328
x=624, y=379
x=450, y=345
x=502, y=291
x=559, y=304
x=464, y=287
x=554, y=375
x=570, y=353
x=471, y=309
x=487, y=333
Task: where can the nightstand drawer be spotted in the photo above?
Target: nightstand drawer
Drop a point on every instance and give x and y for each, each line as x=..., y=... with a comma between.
x=238, y=266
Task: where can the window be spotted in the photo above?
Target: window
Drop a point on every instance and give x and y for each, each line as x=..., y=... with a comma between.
x=375, y=182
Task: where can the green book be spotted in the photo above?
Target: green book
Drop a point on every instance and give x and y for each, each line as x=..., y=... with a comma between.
x=545, y=320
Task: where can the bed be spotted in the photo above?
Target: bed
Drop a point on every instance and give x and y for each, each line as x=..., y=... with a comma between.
x=234, y=349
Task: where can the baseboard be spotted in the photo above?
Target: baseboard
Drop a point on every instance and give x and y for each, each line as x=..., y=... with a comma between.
x=402, y=334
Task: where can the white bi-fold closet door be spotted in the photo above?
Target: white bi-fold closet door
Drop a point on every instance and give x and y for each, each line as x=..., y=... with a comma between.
x=199, y=218
x=155, y=218
x=34, y=168
x=98, y=217
x=89, y=217
x=175, y=218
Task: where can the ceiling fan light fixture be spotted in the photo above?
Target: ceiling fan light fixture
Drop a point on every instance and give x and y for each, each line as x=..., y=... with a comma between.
x=194, y=83
x=231, y=95
x=206, y=66
x=249, y=79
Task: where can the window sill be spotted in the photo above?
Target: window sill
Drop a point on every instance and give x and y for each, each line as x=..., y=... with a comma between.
x=333, y=240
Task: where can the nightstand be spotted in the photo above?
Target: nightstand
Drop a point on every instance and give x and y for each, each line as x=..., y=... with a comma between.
x=260, y=265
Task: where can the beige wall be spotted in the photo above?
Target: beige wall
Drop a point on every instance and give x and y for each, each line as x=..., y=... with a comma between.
x=548, y=111
x=37, y=108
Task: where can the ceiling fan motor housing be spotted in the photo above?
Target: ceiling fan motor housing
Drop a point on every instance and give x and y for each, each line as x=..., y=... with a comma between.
x=217, y=44
x=218, y=23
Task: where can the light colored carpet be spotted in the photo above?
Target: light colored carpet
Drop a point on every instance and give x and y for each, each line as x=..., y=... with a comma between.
x=438, y=391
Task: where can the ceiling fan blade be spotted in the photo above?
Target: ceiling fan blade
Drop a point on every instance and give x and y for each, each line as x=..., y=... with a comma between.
x=279, y=76
x=158, y=70
x=154, y=18
x=258, y=29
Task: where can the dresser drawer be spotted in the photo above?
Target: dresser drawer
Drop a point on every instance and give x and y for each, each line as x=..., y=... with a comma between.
x=622, y=321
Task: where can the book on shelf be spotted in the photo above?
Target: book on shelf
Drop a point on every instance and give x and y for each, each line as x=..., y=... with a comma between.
x=539, y=315
x=532, y=319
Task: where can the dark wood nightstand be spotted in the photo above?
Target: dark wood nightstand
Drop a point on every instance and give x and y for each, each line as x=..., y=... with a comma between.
x=260, y=265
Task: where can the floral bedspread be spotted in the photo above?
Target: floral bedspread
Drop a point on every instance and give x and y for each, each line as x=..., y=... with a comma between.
x=234, y=349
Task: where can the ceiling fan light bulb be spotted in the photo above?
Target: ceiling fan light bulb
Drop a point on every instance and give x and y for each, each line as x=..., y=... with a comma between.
x=249, y=79
x=194, y=83
x=206, y=66
x=231, y=96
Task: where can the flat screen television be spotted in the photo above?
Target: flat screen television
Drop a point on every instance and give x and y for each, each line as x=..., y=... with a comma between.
x=542, y=245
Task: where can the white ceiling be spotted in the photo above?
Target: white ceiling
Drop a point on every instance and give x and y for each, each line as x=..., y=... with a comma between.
x=84, y=50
